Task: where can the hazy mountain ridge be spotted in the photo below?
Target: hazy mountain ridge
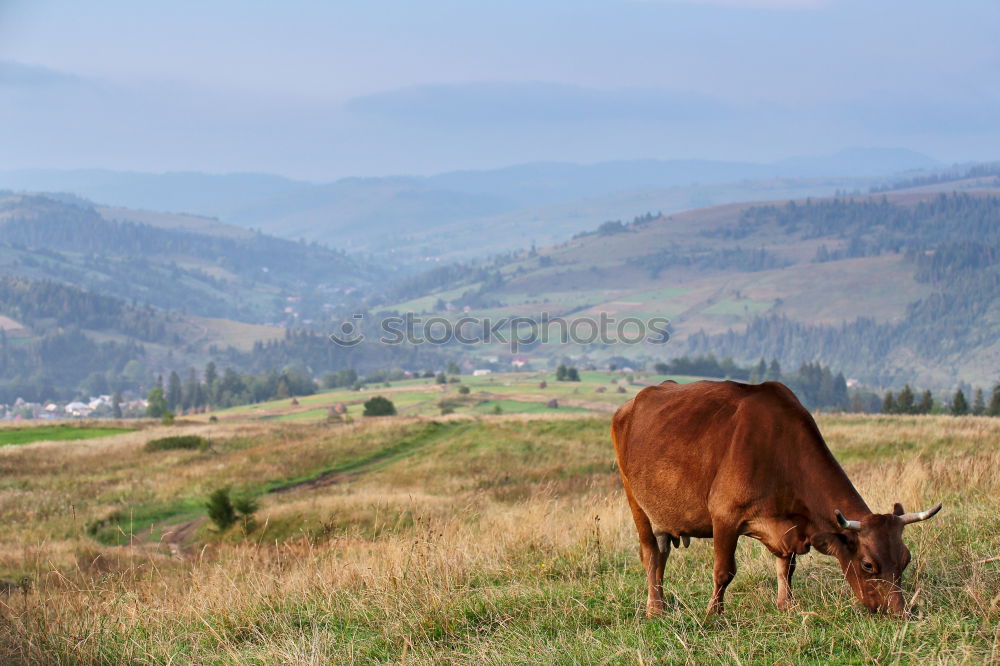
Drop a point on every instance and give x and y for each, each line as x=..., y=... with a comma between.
x=411, y=214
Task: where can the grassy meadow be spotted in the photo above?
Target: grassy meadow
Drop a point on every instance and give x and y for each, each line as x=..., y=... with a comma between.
x=61, y=432
x=466, y=539
x=515, y=393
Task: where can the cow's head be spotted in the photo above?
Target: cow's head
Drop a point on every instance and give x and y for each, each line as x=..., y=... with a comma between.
x=872, y=554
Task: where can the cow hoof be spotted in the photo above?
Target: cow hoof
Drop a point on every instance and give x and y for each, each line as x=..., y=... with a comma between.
x=786, y=604
x=714, y=609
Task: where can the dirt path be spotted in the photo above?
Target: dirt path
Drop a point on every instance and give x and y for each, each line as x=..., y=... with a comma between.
x=383, y=457
x=175, y=537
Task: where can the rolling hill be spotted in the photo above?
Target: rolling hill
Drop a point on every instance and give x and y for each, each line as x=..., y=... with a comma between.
x=470, y=214
x=178, y=262
x=891, y=288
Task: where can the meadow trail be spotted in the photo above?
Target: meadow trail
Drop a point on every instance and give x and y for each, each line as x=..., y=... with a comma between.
x=356, y=468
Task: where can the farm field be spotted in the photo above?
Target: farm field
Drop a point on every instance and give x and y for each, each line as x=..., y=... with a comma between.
x=516, y=392
x=457, y=539
x=61, y=432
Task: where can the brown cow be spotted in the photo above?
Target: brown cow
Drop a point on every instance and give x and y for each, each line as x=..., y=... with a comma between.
x=722, y=459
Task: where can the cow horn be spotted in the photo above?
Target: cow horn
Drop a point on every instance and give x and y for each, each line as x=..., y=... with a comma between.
x=853, y=525
x=908, y=518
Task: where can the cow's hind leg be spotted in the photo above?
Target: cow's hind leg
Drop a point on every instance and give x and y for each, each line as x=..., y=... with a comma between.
x=653, y=559
x=785, y=568
x=724, y=543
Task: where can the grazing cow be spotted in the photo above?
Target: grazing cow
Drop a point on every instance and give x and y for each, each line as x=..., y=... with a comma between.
x=722, y=459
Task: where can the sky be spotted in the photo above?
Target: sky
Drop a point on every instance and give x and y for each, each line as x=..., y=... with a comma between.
x=321, y=90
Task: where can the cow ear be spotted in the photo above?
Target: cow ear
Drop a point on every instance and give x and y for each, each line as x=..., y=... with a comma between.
x=837, y=544
x=897, y=509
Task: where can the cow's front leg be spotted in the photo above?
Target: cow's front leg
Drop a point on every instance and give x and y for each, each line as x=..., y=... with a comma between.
x=724, y=540
x=785, y=568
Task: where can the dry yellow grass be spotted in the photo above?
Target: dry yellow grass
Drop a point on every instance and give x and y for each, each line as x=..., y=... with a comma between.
x=496, y=540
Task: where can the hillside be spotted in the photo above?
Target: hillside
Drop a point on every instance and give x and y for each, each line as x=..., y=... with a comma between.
x=178, y=262
x=61, y=341
x=889, y=287
x=455, y=540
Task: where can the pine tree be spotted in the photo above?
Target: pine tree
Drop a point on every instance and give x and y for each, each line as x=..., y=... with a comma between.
x=826, y=395
x=116, y=405
x=959, y=406
x=175, y=394
x=211, y=384
x=840, y=395
x=220, y=508
x=773, y=373
x=904, y=401
x=994, y=408
x=889, y=405
x=192, y=389
x=979, y=403
x=926, y=405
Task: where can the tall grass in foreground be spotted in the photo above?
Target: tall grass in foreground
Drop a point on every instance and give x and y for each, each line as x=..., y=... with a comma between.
x=507, y=541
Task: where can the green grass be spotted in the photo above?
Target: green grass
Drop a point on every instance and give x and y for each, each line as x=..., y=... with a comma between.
x=417, y=438
x=470, y=541
x=738, y=307
x=661, y=294
x=62, y=432
x=520, y=407
x=422, y=396
x=144, y=519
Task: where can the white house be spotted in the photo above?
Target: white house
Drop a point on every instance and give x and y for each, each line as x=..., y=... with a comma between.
x=78, y=409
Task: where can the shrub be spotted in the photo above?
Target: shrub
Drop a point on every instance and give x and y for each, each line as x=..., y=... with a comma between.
x=189, y=442
x=225, y=509
x=463, y=390
x=379, y=406
x=246, y=506
x=167, y=418
x=220, y=508
x=566, y=373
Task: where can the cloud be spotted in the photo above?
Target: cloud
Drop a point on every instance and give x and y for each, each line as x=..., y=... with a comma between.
x=15, y=74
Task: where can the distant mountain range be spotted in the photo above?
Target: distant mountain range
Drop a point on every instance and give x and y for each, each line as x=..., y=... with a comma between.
x=413, y=218
x=894, y=287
